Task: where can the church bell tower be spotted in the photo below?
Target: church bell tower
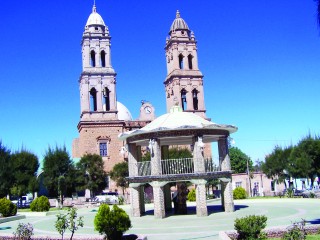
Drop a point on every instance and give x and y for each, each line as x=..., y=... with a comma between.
x=98, y=78
x=184, y=81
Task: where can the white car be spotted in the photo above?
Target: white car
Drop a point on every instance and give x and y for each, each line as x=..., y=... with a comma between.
x=109, y=198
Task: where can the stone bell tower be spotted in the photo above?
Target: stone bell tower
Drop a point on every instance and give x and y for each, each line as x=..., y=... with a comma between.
x=98, y=78
x=184, y=81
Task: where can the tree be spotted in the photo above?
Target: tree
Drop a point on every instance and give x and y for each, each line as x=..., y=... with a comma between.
x=276, y=164
x=5, y=171
x=91, y=174
x=113, y=223
x=68, y=221
x=57, y=163
x=177, y=153
x=119, y=173
x=305, y=158
x=24, y=167
x=240, y=162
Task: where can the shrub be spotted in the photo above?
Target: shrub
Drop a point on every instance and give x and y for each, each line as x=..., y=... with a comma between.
x=251, y=227
x=113, y=223
x=68, y=221
x=296, y=231
x=24, y=231
x=7, y=208
x=120, y=200
x=290, y=192
x=40, y=204
x=192, y=195
x=239, y=193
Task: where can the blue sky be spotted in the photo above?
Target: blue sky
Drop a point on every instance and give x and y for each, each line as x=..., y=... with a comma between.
x=260, y=59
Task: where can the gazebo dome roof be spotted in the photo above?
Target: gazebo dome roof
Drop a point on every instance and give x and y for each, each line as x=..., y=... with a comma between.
x=178, y=120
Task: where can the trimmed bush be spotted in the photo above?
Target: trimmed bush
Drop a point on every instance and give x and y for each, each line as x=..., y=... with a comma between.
x=113, y=223
x=250, y=227
x=239, y=193
x=40, y=204
x=7, y=208
x=192, y=195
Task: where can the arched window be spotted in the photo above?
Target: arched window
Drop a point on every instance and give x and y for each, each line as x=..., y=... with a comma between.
x=92, y=58
x=103, y=59
x=195, y=99
x=181, y=61
x=184, y=99
x=190, y=61
x=93, y=100
x=106, y=99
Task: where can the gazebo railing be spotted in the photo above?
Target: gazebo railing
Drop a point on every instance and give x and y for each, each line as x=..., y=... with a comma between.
x=144, y=168
x=177, y=166
x=174, y=166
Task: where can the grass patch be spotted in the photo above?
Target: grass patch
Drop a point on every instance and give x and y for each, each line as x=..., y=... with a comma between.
x=309, y=237
x=51, y=209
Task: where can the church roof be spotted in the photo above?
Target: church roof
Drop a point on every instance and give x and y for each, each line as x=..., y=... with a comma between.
x=179, y=24
x=178, y=120
x=95, y=18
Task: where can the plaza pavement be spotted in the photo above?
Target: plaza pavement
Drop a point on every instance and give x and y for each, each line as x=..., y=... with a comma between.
x=280, y=212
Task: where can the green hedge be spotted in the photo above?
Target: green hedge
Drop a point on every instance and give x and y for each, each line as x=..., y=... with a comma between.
x=40, y=204
x=250, y=227
x=239, y=193
x=7, y=208
x=192, y=195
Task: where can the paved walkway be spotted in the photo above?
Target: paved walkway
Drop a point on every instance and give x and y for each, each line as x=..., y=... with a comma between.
x=280, y=212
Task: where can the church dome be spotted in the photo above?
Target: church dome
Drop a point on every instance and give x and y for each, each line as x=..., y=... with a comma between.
x=95, y=18
x=179, y=24
x=123, y=112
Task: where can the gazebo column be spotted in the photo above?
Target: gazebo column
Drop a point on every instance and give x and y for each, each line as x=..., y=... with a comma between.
x=224, y=159
x=198, y=157
x=155, y=157
x=167, y=198
x=133, y=160
x=141, y=200
x=227, y=195
x=226, y=183
x=158, y=196
x=135, y=200
x=201, y=197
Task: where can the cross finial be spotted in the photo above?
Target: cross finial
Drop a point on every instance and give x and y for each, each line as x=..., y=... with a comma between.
x=178, y=14
x=94, y=9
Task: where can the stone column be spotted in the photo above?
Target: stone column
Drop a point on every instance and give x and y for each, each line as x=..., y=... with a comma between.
x=133, y=160
x=158, y=199
x=167, y=198
x=201, y=197
x=155, y=157
x=99, y=96
x=141, y=200
x=198, y=157
x=224, y=159
x=222, y=194
x=227, y=195
x=135, y=199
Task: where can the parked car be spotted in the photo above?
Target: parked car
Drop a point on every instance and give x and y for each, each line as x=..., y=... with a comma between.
x=108, y=197
x=23, y=202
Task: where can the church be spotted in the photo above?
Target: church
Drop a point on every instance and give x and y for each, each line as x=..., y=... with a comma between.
x=103, y=117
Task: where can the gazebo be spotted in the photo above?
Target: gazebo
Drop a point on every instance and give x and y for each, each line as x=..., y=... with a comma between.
x=172, y=129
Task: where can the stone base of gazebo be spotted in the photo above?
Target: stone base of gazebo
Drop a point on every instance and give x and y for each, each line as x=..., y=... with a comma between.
x=162, y=194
